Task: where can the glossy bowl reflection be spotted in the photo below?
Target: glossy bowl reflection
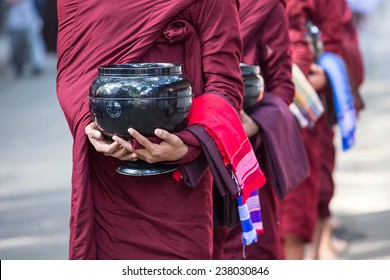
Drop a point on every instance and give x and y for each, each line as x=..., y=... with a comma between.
x=254, y=85
x=143, y=96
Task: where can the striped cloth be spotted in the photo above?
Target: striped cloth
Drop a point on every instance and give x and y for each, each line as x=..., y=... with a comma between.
x=336, y=72
x=222, y=122
x=250, y=218
x=307, y=106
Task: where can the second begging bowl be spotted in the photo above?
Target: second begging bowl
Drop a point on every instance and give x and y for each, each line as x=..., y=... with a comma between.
x=254, y=85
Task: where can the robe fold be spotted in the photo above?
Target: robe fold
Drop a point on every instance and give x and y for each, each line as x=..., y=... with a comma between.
x=297, y=18
x=155, y=217
x=352, y=56
x=328, y=15
x=298, y=209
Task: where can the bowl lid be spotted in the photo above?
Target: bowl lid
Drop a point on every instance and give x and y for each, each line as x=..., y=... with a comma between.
x=139, y=69
x=248, y=69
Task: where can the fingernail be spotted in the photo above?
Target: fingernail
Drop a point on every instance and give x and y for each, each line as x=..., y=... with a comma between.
x=115, y=138
x=131, y=130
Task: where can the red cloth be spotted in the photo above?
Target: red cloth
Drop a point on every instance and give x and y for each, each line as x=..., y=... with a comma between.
x=122, y=217
x=213, y=112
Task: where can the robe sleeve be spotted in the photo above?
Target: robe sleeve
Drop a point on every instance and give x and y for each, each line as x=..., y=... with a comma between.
x=275, y=61
x=221, y=47
x=300, y=51
x=329, y=19
x=352, y=56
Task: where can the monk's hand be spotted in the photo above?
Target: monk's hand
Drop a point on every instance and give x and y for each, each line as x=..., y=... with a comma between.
x=250, y=127
x=172, y=148
x=317, y=76
x=106, y=146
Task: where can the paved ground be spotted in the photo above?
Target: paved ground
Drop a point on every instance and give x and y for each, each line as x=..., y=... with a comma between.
x=34, y=169
x=35, y=149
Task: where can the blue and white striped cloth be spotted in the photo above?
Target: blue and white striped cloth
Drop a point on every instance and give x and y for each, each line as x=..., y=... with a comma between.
x=336, y=72
x=250, y=218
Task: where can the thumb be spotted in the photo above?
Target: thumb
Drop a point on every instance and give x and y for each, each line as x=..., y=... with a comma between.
x=315, y=68
x=92, y=132
x=165, y=135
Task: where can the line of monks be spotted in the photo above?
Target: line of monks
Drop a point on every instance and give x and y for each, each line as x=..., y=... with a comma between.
x=302, y=216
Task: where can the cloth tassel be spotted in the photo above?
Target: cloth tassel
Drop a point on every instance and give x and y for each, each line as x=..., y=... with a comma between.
x=250, y=218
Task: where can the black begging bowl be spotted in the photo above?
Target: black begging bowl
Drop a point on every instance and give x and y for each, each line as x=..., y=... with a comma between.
x=143, y=96
x=254, y=85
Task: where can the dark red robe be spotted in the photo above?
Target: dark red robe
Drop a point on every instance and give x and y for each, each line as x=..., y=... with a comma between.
x=340, y=37
x=352, y=56
x=296, y=11
x=298, y=209
x=266, y=43
x=328, y=16
x=122, y=217
x=301, y=207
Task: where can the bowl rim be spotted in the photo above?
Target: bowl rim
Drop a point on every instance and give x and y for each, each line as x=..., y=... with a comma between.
x=139, y=69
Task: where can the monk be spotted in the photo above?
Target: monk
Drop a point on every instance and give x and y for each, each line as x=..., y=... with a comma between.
x=266, y=43
x=298, y=210
x=305, y=211
x=154, y=217
x=334, y=21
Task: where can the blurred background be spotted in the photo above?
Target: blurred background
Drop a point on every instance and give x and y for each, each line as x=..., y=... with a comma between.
x=35, y=144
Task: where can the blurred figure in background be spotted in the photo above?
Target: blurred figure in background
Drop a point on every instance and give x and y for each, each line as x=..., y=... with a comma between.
x=24, y=27
x=334, y=19
x=305, y=212
x=50, y=25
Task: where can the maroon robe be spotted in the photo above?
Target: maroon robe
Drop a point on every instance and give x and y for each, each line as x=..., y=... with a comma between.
x=328, y=16
x=123, y=217
x=266, y=43
x=341, y=38
x=297, y=18
x=352, y=56
x=299, y=209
